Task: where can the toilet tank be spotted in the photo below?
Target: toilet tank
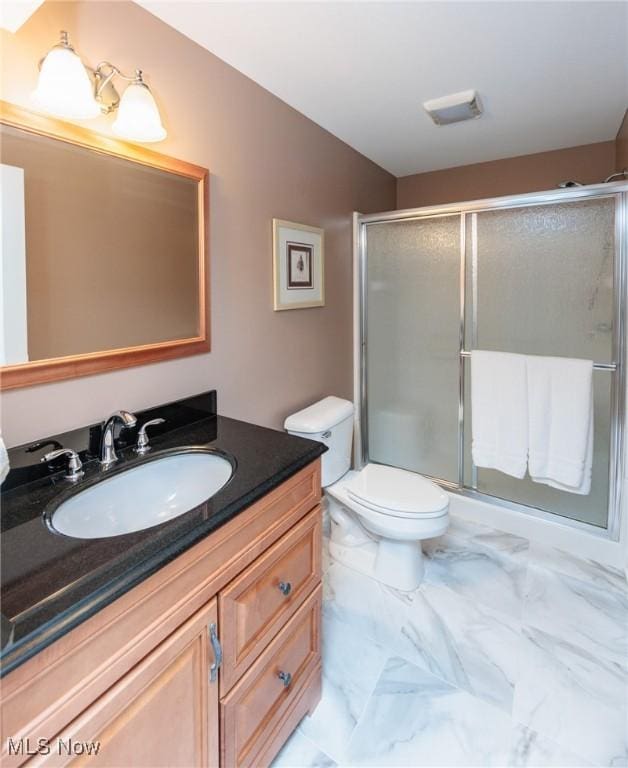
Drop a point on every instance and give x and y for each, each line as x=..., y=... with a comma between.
x=329, y=421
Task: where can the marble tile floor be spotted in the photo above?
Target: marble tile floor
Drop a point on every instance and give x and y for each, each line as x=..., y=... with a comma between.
x=509, y=654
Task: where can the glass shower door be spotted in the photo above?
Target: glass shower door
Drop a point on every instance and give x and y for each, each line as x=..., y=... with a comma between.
x=539, y=280
x=413, y=340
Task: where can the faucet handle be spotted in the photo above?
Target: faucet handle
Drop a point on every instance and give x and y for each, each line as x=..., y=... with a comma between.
x=142, y=445
x=75, y=471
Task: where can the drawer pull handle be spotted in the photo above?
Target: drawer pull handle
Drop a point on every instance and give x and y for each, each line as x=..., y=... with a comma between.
x=285, y=587
x=217, y=649
x=286, y=678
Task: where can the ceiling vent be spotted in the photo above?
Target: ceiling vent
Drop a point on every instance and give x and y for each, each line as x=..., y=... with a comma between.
x=454, y=108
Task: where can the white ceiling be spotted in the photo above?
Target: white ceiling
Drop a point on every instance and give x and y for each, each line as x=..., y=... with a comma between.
x=13, y=13
x=550, y=74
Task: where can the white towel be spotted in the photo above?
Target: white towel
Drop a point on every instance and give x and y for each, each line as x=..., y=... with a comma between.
x=560, y=391
x=499, y=409
x=4, y=461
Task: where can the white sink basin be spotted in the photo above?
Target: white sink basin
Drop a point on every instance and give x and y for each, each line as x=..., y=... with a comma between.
x=142, y=497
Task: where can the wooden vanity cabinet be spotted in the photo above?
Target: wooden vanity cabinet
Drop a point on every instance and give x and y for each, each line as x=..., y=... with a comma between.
x=139, y=677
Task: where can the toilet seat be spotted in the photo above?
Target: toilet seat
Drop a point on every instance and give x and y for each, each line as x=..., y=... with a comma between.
x=396, y=493
x=394, y=513
x=385, y=523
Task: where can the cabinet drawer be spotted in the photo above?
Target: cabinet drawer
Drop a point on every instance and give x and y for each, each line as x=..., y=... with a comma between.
x=258, y=714
x=257, y=604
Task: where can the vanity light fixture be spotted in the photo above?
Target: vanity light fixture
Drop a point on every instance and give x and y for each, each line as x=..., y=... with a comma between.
x=67, y=87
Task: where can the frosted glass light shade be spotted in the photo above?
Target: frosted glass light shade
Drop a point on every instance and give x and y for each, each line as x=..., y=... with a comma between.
x=138, y=118
x=64, y=88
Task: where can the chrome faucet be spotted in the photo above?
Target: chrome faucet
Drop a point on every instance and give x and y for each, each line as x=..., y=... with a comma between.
x=108, y=454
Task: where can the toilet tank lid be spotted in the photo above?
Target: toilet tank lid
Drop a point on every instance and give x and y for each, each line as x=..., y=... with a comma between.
x=324, y=414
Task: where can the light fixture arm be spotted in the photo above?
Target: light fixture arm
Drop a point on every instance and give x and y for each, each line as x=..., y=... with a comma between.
x=103, y=77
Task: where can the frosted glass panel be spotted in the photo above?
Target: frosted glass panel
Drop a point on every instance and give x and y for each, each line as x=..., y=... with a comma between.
x=544, y=285
x=545, y=280
x=413, y=327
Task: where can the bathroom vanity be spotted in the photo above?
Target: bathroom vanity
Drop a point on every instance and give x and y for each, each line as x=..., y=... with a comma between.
x=195, y=642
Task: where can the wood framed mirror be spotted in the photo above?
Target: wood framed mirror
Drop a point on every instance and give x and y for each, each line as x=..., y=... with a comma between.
x=104, y=260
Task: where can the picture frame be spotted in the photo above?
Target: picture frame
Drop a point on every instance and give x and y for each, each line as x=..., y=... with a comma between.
x=298, y=266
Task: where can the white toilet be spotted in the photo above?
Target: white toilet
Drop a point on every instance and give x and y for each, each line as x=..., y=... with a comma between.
x=379, y=514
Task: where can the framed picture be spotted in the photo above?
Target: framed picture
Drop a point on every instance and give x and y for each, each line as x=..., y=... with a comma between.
x=298, y=266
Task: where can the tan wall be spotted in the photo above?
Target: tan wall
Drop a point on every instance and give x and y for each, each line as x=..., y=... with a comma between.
x=589, y=164
x=621, y=146
x=266, y=161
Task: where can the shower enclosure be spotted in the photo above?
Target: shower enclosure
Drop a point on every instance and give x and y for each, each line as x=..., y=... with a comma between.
x=538, y=274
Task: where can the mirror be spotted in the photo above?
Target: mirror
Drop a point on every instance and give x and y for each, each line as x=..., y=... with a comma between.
x=103, y=256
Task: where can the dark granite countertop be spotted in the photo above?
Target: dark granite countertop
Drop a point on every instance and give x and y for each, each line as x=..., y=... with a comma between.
x=51, y=583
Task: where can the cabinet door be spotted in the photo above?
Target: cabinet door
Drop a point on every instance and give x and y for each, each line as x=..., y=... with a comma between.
x=162, y=713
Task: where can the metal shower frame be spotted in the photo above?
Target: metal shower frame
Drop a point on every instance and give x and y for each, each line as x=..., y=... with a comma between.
x=467, y=213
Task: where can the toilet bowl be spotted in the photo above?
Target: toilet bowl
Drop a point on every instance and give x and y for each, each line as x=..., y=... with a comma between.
x=379, y=514
x=397, y=509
